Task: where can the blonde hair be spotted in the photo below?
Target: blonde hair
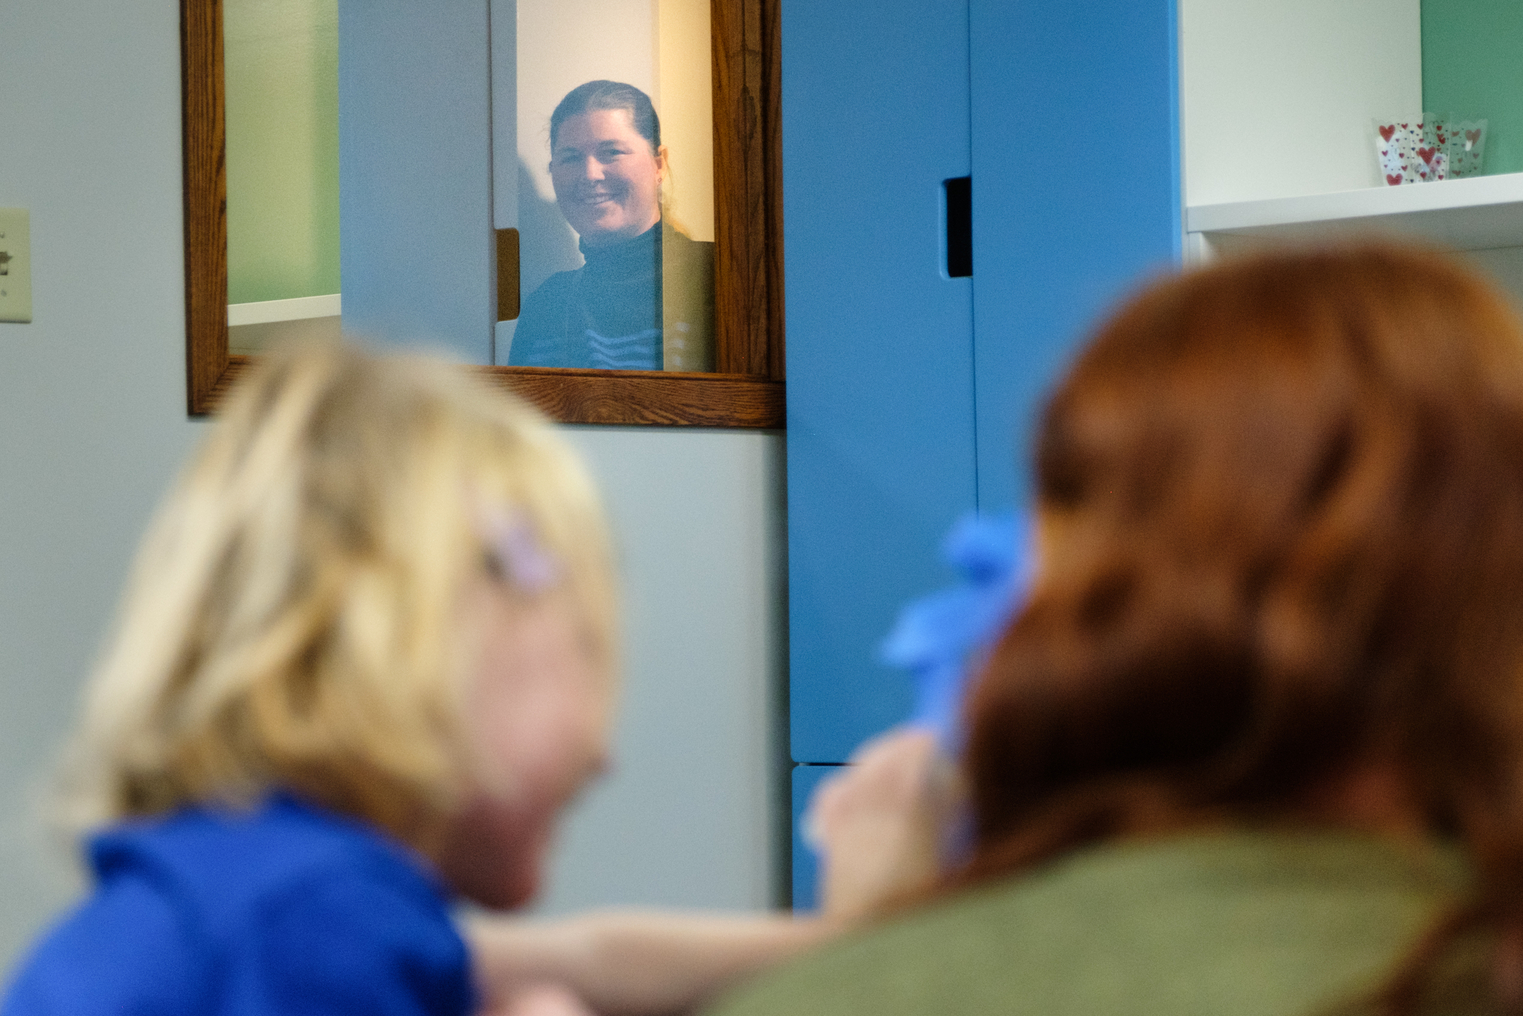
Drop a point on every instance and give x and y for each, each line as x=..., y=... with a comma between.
x=291, y=619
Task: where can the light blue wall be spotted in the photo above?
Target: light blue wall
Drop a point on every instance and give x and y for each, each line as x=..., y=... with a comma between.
x=92, y=392
x=693, y=812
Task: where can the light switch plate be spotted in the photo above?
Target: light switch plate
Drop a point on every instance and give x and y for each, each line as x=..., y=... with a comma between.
x=15, y=265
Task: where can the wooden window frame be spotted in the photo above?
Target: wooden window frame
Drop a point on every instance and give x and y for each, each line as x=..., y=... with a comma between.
x=747, y=388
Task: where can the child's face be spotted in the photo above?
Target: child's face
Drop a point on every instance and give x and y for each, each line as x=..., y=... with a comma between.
x=538, y=707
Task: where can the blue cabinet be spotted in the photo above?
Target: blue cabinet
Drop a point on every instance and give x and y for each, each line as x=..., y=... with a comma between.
x=911, y=395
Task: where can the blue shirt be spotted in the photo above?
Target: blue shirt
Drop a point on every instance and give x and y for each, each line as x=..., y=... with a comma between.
x=285, y=909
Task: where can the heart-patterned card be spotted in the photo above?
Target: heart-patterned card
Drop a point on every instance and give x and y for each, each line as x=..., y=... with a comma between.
x=1429, y=148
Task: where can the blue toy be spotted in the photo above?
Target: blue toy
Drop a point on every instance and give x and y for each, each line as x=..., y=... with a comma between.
x=943, y=638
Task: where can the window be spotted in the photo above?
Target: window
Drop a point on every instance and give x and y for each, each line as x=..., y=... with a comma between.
x=745, y=388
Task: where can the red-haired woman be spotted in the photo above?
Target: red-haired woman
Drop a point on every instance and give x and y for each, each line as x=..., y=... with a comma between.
x=1255, y=743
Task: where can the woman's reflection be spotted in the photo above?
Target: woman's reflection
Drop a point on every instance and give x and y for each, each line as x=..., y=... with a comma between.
x=644, y=299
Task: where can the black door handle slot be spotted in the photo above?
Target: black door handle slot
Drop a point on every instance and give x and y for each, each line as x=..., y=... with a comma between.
x=959, y=198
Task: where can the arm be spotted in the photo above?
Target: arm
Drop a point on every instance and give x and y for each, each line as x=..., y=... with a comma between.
x=880, y=825
x=628, y=963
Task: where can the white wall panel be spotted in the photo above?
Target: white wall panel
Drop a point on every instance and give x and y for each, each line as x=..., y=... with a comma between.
x=1278, y=98
x=690, y=815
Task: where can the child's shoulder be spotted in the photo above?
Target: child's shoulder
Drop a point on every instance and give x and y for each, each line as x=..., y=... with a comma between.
x=282, y=900
x=222, y=861
x=124, y=949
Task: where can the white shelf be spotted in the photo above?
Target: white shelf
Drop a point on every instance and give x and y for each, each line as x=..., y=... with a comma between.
x=298, y=308
x=1477, y=213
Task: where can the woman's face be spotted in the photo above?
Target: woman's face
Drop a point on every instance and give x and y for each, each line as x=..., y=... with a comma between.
x=538, y=710
x=607, y=180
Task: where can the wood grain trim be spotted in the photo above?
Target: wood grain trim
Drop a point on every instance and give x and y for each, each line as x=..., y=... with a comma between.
x=237, y=364
x=205, y=202
x=772, y=182
x=648, y=398
x=747, y=191
x=630, y=397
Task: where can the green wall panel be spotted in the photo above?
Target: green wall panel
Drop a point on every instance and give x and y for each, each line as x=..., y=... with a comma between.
x=1472, y=67
x=282, y=148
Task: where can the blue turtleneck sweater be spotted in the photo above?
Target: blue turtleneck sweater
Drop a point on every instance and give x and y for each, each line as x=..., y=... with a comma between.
x=608, y=314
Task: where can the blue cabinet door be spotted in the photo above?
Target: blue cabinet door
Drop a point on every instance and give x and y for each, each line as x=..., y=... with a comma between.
x=880, y=356
x=1076, y=196
x=806, y=780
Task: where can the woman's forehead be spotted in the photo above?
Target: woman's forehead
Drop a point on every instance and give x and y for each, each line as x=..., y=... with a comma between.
x=595, y=127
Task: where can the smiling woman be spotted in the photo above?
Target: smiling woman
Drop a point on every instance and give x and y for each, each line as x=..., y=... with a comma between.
x=644, y=298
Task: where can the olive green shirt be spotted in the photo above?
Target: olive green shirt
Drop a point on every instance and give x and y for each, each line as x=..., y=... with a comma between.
x=1243, y=923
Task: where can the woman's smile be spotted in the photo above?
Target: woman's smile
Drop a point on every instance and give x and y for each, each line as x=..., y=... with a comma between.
x=594, y=197
x=607, y=178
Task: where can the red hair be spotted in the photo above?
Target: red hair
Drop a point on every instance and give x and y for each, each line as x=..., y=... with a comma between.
x=1287, y=496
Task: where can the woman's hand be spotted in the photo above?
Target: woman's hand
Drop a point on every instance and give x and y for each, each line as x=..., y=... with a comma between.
x=881, y=825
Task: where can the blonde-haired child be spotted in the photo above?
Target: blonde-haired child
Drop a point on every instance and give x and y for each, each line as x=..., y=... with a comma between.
x=365, y=658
